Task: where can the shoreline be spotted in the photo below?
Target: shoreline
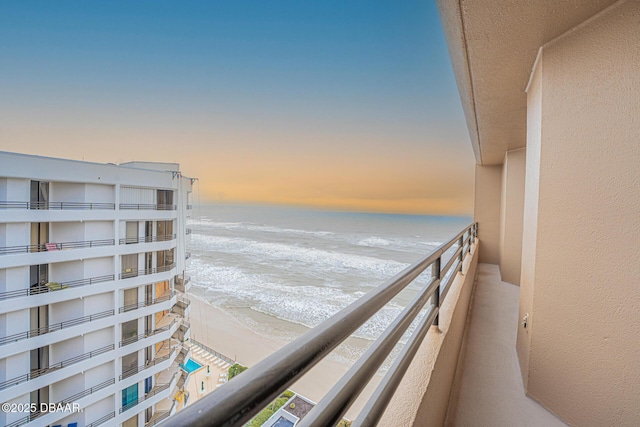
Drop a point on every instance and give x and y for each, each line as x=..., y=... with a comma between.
x=225, y=334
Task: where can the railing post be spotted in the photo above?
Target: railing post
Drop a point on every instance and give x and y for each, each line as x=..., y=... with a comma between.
x=461, y=256
x=435, y=274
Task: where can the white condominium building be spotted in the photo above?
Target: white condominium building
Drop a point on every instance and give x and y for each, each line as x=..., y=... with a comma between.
x=91, y=256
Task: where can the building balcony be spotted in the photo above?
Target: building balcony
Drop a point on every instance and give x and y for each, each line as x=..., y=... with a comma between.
x=56, y=206
x=182, y=307
x=47, y=418
x=157, y=393
x=102, y=420
x=147, y=207
x=166, y=296
x=49, y=293
x=134, y=272
x=54, y=247
x=55, y=332
x=488, y=388
x=146, y=239
x=149, y=334
x=183, y=285
x=183, y=332
x=137, y=369
x=38, y=378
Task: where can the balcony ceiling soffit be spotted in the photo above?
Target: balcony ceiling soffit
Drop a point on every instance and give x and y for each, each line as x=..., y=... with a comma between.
x=493, y=45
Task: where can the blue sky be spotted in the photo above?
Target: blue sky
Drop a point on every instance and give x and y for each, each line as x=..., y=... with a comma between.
x=360, y=90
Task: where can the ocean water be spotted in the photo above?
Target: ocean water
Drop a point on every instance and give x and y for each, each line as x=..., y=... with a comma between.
x=295, y=268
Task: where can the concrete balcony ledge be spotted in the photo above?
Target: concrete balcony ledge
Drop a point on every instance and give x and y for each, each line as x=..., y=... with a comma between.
x=422, y=397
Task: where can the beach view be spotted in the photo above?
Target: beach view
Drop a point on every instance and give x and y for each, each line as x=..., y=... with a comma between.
x=272, y=273
x=285, y=213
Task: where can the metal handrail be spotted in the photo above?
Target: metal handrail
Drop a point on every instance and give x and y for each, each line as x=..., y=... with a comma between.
x=54, y=327
x=157, y=389
x=136, y=369
x=42, y=289
x=163, y=298
x=102, y=420
x=147, y=334
x=147, y=206
x=212, y=351
x=146, y=239
x=162, y=415
x=136, y=272
x=48, y=247
x=58, y=205
x=240, y=399
x=42, y=371
x=69, y=400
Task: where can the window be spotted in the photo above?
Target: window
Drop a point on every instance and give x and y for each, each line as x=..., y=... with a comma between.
x=130, y=299
x=39, y=275
x=148, y=385
x=129, y=362
x=129, y=329
x=165, y=199
x=164, y=228
x=129, y=396
x=132, y=232
x=129, y=265
x=39, y=195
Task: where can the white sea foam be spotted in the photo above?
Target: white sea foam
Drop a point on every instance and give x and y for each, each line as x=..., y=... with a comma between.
x=304, y=268
x=295, y=253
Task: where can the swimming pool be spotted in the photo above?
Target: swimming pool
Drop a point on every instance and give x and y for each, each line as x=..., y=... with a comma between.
x=282, y=422
x=191, y=366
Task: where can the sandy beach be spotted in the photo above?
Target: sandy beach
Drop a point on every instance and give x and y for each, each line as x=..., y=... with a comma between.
x=223, y=333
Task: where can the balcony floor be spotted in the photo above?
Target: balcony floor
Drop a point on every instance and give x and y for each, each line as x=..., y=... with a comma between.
x=488, y=389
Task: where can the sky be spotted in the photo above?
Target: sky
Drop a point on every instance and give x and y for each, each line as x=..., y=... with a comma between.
x=334, y=104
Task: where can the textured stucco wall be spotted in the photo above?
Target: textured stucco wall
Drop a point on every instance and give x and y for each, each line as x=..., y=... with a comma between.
x=422, y=398
x=581, y=261
x=511, y=214
x=486, y=211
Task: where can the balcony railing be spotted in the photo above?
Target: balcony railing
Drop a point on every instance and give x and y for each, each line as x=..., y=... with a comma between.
x=147, y=207
x=147, y=334
x=212, y=351
x=58, y=205
x=136, y=369
x=69, y=400
x=256, y=388
x=55, y=286
x=134, y=272
x=54, y=327
x=159, y=388
x=53, y=247
x=146, y=239
x=102, y=420
x=42, y=371
x=181, y=284
x=158, y=417
x=147, y=303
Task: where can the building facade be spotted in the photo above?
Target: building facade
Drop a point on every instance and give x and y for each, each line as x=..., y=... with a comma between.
x=92, y=305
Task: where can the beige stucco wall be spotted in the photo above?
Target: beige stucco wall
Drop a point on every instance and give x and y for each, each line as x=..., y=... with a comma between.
x=530, y=217
x=423, y=395
x=511, y=215
x=581, y=264
x=486, y=211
